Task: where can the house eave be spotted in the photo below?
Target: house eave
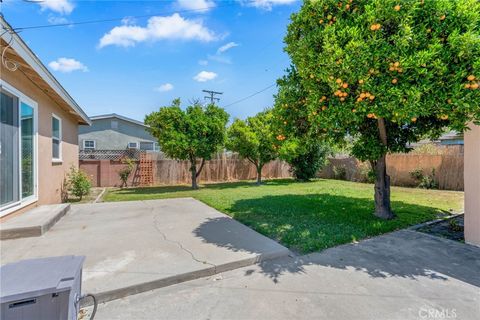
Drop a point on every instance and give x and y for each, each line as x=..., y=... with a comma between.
x=24, y=52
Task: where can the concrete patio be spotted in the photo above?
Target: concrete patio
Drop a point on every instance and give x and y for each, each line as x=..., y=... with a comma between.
x=132, y=247
x=402, y=275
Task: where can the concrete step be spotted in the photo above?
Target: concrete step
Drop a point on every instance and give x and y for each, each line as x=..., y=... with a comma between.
x=33, y=223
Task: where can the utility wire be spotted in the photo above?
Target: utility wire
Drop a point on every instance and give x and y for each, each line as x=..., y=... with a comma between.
x=67, y=24
x=252, y=95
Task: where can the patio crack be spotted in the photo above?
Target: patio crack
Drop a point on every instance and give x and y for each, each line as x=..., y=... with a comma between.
x=180, y=245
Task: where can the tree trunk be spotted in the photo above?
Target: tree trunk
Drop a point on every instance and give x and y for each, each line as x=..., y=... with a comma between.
x=382, y=180
x=193, y=169
x=259, y=174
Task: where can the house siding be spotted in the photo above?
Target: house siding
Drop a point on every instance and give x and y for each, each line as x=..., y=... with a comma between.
x=107, y=138
x=50, y=175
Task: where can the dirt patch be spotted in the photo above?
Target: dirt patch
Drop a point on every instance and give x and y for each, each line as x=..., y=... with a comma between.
x=451, y=228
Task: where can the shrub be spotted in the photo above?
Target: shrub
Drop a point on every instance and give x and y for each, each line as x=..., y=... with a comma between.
x=78, y=183
x=126, y=171
x=424, y=181
x=340, y=172
x=367, y=174
x=305, y=165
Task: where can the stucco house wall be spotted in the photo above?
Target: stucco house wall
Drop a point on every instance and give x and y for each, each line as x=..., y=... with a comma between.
x=51, y=173
x=472, y=185
x=110, y=136
x=31, y=97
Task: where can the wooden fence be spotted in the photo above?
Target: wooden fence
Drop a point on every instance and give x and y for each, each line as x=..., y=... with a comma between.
x=448, y=169
x=224, y=167
x=229, y=167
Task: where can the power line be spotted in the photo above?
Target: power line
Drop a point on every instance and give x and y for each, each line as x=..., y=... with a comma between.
x=67, y=24
x=252, y=95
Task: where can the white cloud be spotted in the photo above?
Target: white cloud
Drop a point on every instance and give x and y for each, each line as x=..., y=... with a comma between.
x=266, y=4
x=67, y=65
x=219, y=58
x=59, y=6
x=204, y=76
x=198, y=5
x=164, y=87
x=158, y=28
x=57, y=20
x=203, y=62
x=226, y=47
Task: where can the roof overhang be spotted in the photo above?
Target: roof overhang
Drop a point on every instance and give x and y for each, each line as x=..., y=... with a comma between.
x=117, y=116
x=29, y=64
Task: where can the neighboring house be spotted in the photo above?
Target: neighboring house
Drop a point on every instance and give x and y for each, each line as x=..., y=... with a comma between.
x=451, y=138
x=38, y=128
x=116, y=132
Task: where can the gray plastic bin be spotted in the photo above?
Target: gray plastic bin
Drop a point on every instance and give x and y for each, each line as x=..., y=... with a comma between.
x=41, y=289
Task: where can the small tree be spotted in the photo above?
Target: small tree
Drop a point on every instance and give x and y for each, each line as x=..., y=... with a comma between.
x=125, y=172
x=78, y=183
x=385, y=72
x=254, y=140
x=305, y=156
x=194, y=134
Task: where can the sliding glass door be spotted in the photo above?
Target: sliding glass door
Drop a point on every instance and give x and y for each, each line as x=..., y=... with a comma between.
x=17, y=149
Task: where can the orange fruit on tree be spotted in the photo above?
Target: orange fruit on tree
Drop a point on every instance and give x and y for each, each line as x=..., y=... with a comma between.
x=414, y=119
x=471, y=77
x=345, y=85
x=360, y=81
x=371, y=97
x=442, y=17
x=474, y=86
x=467, y=86
x=397, y=7
x=338, y=81
x=394, y=81
x=444, y=117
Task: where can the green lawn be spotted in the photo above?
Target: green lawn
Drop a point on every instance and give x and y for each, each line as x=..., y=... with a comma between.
x=308, y=216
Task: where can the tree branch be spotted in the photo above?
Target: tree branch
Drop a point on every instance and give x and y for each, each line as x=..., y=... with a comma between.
x=382, y=130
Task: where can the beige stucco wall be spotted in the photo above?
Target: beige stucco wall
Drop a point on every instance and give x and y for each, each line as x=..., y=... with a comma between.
x=472, y=185
x=50, y=175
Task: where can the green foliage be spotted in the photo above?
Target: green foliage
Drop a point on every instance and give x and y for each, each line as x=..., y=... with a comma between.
x=367, y=174
x=126, y=171
x=253, y=139
x=197, y=132
x=340, y=172
x=414, y=64
x=306, y=158
x=424, y=181
x=78, y=182
x=454, y=225
x=194, y=133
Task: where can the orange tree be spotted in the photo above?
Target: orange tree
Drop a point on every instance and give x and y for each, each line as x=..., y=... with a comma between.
x=384, y=72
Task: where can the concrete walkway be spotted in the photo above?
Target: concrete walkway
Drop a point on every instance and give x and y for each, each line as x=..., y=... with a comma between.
x=402, y=275
x=132, y=247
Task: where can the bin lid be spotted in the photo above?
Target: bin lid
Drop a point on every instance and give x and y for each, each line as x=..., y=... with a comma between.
x=36, y=277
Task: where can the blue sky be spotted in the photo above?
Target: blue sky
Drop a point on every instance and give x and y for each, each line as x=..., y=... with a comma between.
x=136, y=65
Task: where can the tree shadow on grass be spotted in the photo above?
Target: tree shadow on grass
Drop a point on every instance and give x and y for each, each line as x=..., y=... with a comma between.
x=307, y=223
x=208, y=186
